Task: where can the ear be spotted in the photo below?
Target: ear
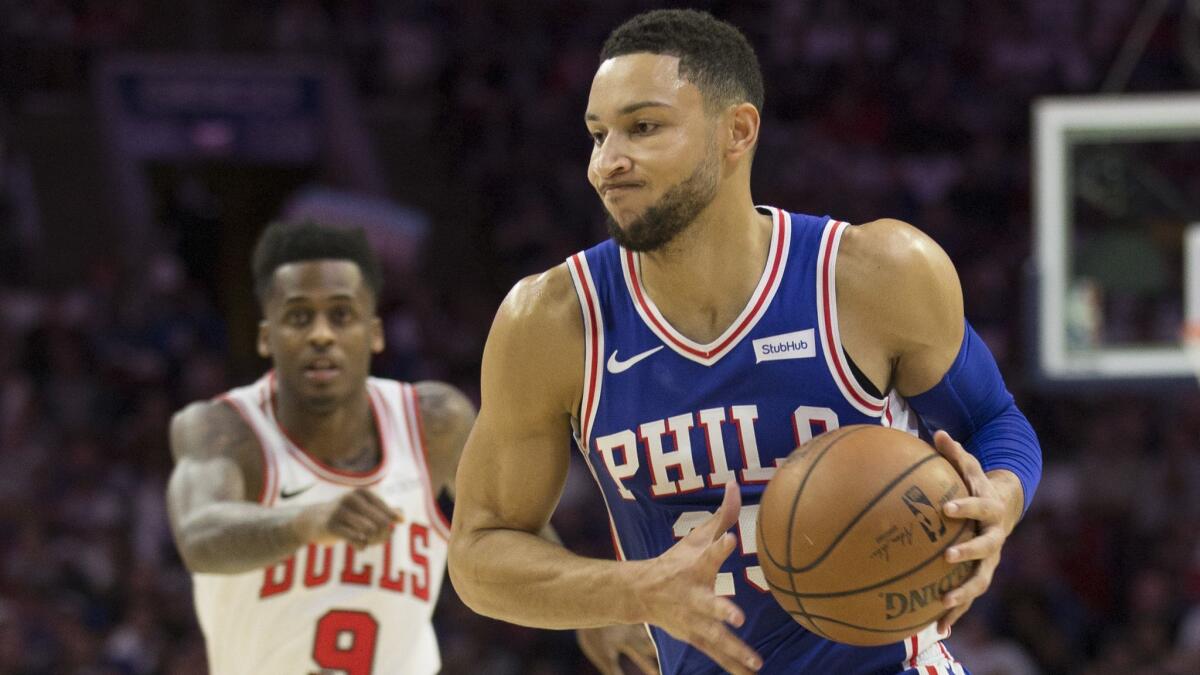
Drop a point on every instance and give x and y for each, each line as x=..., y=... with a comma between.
x=377, y=342
x=742, y=125
x=264, y=341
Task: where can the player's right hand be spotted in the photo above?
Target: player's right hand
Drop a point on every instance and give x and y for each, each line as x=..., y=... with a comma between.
x=360, y=518
x=677, y=592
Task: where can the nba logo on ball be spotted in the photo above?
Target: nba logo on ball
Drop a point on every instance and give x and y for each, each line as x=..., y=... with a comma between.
x=859, y=556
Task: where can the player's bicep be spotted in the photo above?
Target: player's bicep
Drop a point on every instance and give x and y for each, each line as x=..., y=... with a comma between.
x=197, y=482
x=209, y=443
x=447, y=416
x=515, y=461
x=509, y=479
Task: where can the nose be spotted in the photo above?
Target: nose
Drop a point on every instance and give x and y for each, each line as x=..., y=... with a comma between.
x=321, y=335
x=611, y=158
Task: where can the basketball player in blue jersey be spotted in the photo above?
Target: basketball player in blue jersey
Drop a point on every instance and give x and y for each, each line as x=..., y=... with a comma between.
x=690, y=354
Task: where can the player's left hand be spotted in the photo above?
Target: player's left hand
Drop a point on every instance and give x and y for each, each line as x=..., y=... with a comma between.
x=986, y=506
x=604, y=647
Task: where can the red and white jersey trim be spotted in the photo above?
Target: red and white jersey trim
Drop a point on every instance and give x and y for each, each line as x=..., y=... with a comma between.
x=827, y=324
x=420, y=451
x=925, y=653
x=254, y=417
x=324, y=471
x=256, y=405
x=593, y=371
x=760, y=300
x=593, y=346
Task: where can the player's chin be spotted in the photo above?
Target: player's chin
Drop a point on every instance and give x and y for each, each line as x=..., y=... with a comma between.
x=625, y=213
x=322, y=401
x=325, y=387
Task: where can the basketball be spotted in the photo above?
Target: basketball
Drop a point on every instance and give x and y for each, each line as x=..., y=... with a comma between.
x=851, y=536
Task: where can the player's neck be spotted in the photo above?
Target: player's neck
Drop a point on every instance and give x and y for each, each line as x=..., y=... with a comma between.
x=702, y=281
x=334, y=436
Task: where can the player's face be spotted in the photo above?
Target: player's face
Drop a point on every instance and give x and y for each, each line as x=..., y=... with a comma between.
x=320, y=330
x=655, y=162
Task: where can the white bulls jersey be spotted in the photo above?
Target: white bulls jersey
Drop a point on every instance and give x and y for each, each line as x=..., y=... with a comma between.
x=331, y=609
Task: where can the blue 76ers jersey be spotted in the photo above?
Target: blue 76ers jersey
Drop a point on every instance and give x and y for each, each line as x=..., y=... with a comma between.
x=666, y=422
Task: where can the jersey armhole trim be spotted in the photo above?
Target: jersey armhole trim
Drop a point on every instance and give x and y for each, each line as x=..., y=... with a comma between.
x=268, y=490
x=412, y=413
x=320, y=469
x=593, y=346
x=827, y=324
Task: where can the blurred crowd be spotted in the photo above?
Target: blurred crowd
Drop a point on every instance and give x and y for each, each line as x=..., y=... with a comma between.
x=918, y=111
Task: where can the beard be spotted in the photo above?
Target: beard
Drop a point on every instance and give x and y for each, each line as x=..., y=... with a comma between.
x=674, y=211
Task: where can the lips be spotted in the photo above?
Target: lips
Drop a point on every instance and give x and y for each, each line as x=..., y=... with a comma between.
x=322, y=370
x=616, y=189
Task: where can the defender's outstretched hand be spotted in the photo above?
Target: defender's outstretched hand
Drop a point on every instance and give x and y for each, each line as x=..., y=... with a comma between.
x=984, y=505
x=677, y=591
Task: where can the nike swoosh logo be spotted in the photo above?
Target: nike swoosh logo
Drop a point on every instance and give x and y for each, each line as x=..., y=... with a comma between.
x=285, y=494
x=615, y=365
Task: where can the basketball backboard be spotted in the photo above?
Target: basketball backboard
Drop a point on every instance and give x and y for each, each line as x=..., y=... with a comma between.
x=1117, y=187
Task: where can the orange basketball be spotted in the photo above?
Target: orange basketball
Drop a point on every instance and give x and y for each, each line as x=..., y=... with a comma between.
x=852, y=539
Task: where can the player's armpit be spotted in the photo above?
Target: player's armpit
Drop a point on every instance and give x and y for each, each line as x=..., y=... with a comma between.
x=447, y=416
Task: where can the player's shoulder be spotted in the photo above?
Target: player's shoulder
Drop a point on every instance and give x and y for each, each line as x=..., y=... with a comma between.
x=536, y=346
x=211, y=428
x=546, y=293
x=899, y=277
x=442, y=404
x=543, y=304
x=890, y=246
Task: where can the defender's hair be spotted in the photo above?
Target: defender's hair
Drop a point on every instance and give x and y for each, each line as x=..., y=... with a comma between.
x=282, y=243
x=713, y=55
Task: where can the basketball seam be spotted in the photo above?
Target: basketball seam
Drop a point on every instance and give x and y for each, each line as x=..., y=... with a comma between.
x=885, y=582
x=792, y=514
x=859, y=516
x=864, y=628
x=791, y=519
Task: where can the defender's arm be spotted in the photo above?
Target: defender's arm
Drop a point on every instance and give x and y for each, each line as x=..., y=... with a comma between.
x=219, y=529
x=447, y=416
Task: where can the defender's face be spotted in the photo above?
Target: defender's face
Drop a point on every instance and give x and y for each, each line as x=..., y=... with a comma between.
x=649, y=130
x=320, y=330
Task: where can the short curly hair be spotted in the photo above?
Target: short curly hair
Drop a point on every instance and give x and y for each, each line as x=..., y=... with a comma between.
x=713, y=55
x=282, y=243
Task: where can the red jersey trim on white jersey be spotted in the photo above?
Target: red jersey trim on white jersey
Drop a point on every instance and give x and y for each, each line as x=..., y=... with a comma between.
x=270, y=474
x=708, y=354
x=412, y=413
x=925, y=653
x=827, y=321
x=322, y=470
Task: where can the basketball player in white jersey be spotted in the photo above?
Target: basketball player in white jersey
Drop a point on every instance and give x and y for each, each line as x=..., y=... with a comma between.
x=305, y=504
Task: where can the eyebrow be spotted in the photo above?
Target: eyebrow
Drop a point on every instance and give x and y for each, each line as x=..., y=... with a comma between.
x=304, y=298
x=632, y=107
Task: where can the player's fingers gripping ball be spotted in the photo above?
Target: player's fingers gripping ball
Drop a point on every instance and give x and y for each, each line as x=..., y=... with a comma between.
x=852, y=539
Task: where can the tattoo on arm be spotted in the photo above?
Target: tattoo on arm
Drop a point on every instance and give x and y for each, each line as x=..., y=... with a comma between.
x=216, y=528
x=447, y=416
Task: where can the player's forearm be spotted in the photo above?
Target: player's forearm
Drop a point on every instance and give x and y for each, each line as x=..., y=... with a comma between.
x=233, y=537
x=524, y=579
